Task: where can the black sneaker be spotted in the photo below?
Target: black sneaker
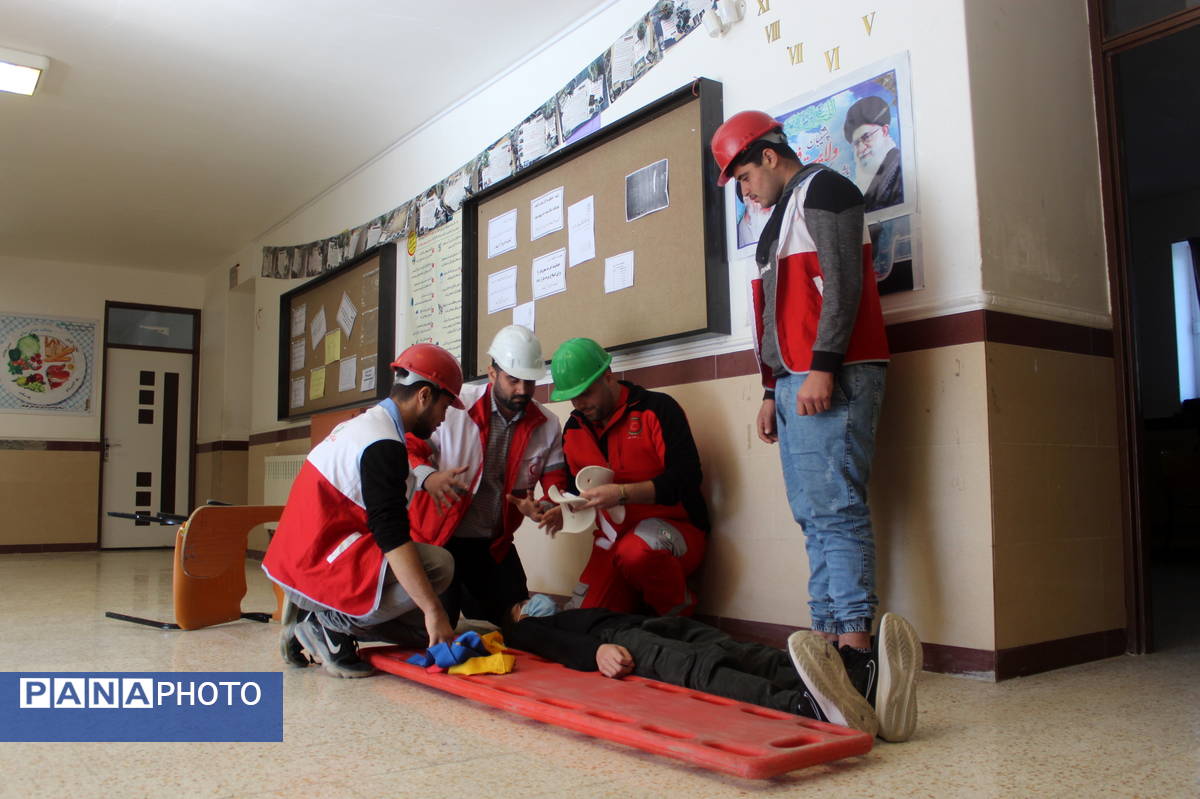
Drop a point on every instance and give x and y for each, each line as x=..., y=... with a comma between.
x=828, y=686
x=289, y=647
x=337, y=652
x=899, y=654
x=862, y=668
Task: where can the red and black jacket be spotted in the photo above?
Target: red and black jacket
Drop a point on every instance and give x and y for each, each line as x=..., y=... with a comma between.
x=646, y=438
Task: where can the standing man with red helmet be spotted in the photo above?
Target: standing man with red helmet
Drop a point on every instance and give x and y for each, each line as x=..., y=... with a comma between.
x=493, y=454
x=342, y=552
x=823, y=352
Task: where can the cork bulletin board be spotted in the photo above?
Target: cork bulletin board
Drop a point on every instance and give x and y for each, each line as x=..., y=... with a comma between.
x=337, y=336
x=659, y=267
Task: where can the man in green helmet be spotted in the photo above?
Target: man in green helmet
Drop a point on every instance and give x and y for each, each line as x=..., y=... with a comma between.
x=652, y=521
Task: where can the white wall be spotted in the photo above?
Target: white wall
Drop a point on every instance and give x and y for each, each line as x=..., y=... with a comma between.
x=55, y=288
x=754, y=73
x=1036, y=160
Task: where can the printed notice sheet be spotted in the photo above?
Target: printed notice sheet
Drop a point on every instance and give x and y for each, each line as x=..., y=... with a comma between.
x=534, y=137
x=298, y=314
x=618, y=272
x=546, y=214
x=333, y=346
x=297, y=394
x=549, y=274
x=498, y=163
x=368, y=379
x=581, y=230
x=623, y=58
x=502, y=233
x=316, y=383
x=502, y=290
x=435, y=289
x=646, y=191
x=297, y=355
x=347, y=371
x=317, y=328
x=346, y=314
x=523, y=315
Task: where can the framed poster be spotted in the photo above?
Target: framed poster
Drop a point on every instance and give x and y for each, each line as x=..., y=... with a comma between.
x=49, y=364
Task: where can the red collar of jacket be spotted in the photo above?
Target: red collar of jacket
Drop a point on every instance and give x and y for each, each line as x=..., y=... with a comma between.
x=629, y=397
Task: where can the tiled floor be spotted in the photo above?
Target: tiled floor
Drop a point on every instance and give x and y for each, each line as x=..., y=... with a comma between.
x=1122, y=727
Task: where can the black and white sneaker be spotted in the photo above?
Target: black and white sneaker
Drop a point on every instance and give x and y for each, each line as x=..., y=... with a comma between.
x=337, y=652
x=863, y=669
x=289, y=647
x=900, y=658
x=829, y=687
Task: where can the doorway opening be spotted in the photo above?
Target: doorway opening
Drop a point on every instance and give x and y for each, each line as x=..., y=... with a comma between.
x=1146, y=103
x=147, y=421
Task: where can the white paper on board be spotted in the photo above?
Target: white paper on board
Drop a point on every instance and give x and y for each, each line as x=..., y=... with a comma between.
x=618, y=272
x=502, y=290
x=347, y=313
x=546, y=214
x=550, y=274
x=347, y=371
x=317, y=328
x=581, y=230
x=647, y=190
x=297, y=395
x=297, y=355
x=368, y=379
x=298, y=315
x=502, y=233
x=523, y=315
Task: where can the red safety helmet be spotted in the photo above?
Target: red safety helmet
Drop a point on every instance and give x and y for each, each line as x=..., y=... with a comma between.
x=736, y=134
x=431, y=363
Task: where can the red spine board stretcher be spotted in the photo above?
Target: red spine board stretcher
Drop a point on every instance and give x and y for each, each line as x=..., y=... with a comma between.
x=702, y=729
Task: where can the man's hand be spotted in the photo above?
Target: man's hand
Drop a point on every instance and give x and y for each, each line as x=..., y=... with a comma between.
x=528, y=507
x=614, y=660
x=551, y=521
x=601, y=497
x=765, y=423
x=816, y=395
x=446, y=486
x=438, y=628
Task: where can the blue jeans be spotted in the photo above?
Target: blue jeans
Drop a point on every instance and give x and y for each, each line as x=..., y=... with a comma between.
x=826, y=465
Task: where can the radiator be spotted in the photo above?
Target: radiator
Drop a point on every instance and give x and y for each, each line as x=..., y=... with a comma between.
x=278, y=474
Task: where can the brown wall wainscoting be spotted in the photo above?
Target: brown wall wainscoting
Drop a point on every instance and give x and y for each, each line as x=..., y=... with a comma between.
x=277, y=436
x=940, y=331
x=49, y=446
x=222, y=446
x=1018, y=661
x=15, y=549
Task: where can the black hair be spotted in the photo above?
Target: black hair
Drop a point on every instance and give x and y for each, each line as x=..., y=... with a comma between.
x=403, y=393
x=754, y=154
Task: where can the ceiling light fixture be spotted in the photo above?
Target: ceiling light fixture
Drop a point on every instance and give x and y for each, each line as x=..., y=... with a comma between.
x=20, y=72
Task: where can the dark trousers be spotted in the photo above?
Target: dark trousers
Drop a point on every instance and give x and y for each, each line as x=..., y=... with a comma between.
x=682, y=651
x=483, y=588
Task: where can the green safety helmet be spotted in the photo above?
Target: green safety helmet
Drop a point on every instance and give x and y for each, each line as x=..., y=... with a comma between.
x=575, y=366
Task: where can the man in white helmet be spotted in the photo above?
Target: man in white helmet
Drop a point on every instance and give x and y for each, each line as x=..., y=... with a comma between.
x=478, y=473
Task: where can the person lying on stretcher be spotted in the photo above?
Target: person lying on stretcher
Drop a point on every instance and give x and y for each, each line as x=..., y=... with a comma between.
x=809, y=679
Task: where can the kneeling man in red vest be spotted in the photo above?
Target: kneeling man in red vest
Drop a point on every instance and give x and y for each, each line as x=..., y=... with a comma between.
x=342, y=552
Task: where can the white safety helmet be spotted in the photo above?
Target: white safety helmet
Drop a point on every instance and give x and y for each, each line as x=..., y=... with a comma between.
x=517, y=351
